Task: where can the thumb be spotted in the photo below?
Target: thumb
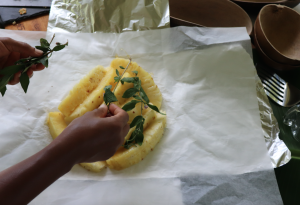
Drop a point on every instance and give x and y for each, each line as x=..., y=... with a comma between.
x=101, y=111
x=21, y=47
x=37, y=52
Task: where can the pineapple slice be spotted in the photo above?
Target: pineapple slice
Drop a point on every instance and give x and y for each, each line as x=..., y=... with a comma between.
x=117, y=62
x=121, y=89
x=87, y=95
x=149, y=117
x=57, y=125
x=148, y=84
x=127, y=157
x=95, y=166
x=80, y=91
x=95, y=99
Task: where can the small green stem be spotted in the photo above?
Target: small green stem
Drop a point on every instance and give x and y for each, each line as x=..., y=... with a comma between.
x=122, y=75
x=52, y=38
x=141, y=102
x=119, y=81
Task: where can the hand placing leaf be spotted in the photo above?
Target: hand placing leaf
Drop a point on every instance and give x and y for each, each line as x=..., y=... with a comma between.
x=24, y=64
x=140, y=96
x=109, y=96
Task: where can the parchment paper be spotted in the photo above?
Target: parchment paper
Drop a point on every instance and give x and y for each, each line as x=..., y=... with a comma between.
x=115, y=16
x=207, y=79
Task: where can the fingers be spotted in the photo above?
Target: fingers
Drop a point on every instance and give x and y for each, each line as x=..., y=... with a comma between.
x=30, y=71
x=16, y=79
x=20, y=47
x=101, y=111
x=11, y=59
x=39, y=67
x=119, y=113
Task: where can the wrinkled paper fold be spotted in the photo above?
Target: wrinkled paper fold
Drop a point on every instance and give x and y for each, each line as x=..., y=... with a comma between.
x=207, y=79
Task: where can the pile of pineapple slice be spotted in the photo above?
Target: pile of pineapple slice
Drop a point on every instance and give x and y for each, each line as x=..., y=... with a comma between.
x=88, y=94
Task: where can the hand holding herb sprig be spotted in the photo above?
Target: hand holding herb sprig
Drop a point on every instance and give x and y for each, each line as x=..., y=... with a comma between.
x=140, y=96
x=27, y=58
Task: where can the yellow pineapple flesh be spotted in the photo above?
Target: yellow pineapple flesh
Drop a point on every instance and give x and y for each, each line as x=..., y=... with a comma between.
x=148, y=84
x=95, y=99
x=87, y=95
x=56, y=123
x=95, y=166
x=121, y=88
x=149, y=117
x=81, y=90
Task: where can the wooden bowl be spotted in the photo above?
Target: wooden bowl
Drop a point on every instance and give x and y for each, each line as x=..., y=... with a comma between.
x=258, y=4
x=267, y=60
x=278, y=33
x=208, y=13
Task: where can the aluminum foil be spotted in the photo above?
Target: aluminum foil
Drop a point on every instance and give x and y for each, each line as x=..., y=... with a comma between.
x=90, y=16
x=116, y=16
x=278, y=151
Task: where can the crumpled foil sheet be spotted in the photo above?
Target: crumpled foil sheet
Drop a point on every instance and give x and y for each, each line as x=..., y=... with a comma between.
x=116, y=16
x=278, y=151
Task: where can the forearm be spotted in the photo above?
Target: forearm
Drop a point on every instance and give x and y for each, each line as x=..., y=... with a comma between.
x=22, y=182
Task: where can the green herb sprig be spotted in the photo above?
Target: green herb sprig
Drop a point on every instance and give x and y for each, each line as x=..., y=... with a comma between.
x=140, y=96
x=24, y=64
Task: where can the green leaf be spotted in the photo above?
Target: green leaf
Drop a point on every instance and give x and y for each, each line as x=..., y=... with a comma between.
x=44, y=43
x=109, y=97
x=130, y=79
x=138, y=98
x=59, y=47
x=138, y=119
x=3, y=90
x=24, y=80
x=10, y=70
x=117, y=78
x=122, y=67
x=128, y=144
x=137, y=84
x=139, y=138
x=117, y=72
x=130, y=105
x=44, y=61
x=25, y=70
x=4, y=80
x=135, y=72
x=108, y=87
x=129, y=93
x=144, y=95
x=23, y=60
x=44, y=49
x=153, y=107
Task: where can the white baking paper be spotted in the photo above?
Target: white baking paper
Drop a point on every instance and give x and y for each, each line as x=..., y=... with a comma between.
x=207, y=79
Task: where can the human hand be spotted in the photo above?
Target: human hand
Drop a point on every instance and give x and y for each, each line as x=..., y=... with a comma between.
x=12, y=50
x=94, y=136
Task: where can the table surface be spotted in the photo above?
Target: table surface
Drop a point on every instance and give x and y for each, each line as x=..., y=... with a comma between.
x=288, y=176
x=35, y=24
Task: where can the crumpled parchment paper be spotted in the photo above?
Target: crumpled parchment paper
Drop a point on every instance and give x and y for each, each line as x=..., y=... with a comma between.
x=207, y=79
